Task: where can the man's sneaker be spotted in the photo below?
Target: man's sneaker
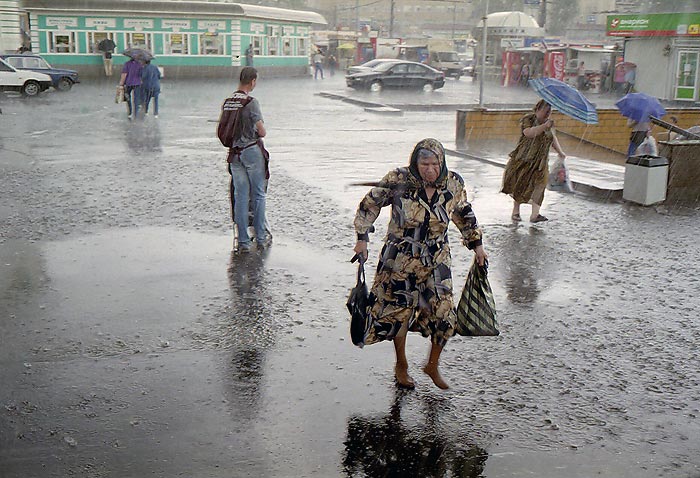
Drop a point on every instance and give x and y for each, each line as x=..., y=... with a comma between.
x=266, y=243
x=155, y=116
x=244, y=249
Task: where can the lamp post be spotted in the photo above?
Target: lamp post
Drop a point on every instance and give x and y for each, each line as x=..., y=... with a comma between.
x=483, y=57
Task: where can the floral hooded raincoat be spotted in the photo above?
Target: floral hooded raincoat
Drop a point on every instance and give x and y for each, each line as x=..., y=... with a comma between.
x=414, y=281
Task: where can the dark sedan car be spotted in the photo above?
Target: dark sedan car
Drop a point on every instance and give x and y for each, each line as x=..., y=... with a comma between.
x=370, y=64
x=62, y=79
x=403, y=74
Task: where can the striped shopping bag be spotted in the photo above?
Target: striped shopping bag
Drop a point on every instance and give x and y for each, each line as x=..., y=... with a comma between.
x=476, y=312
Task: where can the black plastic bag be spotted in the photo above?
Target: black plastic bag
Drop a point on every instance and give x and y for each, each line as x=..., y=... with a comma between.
x=358, y=305
x=476, y=312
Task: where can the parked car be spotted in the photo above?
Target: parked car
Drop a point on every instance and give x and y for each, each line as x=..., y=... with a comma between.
x=467, y=60
x=399, y=74
x=62, y=79
x=369, y=65
x=29, y=83
x=446, y=61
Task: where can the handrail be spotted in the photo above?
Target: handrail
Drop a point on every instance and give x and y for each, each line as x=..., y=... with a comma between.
x=674, y=128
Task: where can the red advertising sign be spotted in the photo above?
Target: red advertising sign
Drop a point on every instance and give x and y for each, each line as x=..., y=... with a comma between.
x=555, y=61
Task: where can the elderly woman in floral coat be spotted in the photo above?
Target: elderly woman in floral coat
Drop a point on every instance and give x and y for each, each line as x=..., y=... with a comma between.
x=413, y=285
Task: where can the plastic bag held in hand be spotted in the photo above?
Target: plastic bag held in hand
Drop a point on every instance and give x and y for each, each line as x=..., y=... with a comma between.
x=559, y=177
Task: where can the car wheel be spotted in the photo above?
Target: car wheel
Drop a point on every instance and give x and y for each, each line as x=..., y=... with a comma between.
x=31, y=88
x=64, y=84
x=428, y=88
x=376, y=86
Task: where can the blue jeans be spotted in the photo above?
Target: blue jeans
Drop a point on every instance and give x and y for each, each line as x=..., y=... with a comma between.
x=248, y=173
x=147, y=96
x=132, y=95
x=318, y=67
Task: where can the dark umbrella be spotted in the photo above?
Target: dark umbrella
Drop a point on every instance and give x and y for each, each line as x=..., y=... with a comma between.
x=638, y=107
x=567, y=99
x=139, y=54
x=106, y=45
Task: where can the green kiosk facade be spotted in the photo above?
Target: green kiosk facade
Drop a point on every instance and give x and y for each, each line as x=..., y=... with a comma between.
x=189, y=39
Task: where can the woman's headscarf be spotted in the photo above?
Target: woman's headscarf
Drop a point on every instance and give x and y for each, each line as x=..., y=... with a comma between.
x=435, y=147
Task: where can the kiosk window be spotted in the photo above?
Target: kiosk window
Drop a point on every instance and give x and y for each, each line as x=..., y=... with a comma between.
x=96, y=37
x=211, y=44
x=177, y=43
x=139, y=40
x=62, y=42
x=302, y=49
x=256, y=41
x=273, y=45
x=287, y=47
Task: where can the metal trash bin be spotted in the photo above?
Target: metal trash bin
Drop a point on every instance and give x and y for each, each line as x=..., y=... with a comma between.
x=646, y=178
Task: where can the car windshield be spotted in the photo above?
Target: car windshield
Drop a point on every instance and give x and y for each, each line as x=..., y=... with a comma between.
x=448, y=56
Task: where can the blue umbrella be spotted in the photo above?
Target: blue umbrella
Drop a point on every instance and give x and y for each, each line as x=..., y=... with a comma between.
x=567, y=99
x=638, y=107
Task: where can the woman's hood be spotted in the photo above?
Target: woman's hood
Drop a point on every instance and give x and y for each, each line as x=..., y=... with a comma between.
x=434, y=146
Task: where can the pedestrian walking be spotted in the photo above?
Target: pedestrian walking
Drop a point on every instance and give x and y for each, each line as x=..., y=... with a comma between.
x=619, y=77
x=412, y=288
x=640, y=131
x=249, y=55
x=107, y=47
x=332, y=64
x=524, y=74
x=527, y=170
x=150, y=87
x=318, y=64
x=131, y=81
x=241, y=128
x=630, y=78
x=581, y=76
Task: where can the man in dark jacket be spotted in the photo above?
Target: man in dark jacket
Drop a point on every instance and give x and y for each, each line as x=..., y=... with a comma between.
x=150, y=87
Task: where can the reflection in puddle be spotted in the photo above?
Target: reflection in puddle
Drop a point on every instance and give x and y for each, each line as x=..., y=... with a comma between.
x=143, y=136
x=522, y=255
x=247, y=330
x=387, y=446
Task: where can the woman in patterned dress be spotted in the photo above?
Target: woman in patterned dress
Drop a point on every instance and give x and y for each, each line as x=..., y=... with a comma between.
x=413, y=285
x=525, y=176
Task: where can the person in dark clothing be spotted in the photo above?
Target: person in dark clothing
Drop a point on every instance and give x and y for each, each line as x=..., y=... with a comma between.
x=107, y=47
x=131, y=81
x=249, y=56
x=150, y=87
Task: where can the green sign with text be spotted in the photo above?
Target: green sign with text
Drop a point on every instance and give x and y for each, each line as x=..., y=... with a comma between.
x=658, y=24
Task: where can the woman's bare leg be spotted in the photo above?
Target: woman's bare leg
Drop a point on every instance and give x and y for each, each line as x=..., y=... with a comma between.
x=431, y=368
x=401, y=368
x=516, y=209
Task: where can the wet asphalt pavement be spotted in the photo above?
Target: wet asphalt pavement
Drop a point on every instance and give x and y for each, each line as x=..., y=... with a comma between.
x=133, y=343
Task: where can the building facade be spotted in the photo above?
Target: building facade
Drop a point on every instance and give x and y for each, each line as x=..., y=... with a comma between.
x=666, y=49
x=10, y=30
x=189, y=38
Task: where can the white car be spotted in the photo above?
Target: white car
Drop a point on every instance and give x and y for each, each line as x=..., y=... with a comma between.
x=29, y=83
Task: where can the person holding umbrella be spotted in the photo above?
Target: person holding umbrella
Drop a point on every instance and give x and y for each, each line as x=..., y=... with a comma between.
x=107, y=47
x=527, y=170
x=131, y=81
x=638, y=108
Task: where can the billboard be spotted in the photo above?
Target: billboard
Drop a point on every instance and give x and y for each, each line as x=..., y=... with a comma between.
x=658, y=24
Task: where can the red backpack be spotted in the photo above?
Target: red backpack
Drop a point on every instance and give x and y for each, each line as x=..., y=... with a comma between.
x=230, y=124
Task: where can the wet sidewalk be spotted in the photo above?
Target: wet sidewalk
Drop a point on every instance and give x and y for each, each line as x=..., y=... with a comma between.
x=588, y=175
x=593, y=170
